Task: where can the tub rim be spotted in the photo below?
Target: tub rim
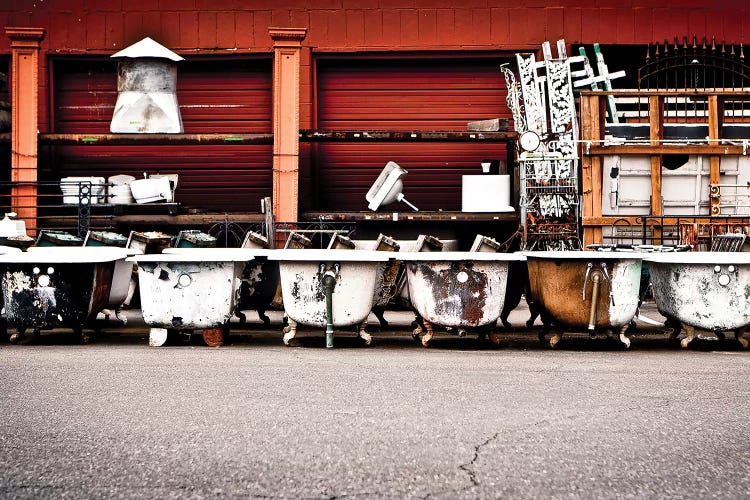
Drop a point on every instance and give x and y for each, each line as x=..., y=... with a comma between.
x=459, y=256
x=702, y=257
x=65, y=255
x=329, y=255
x=585, y=255
x=201, y=255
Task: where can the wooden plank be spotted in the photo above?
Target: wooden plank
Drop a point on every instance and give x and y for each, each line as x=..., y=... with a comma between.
x=656, y=133
x=591, y=166
x=647, y=149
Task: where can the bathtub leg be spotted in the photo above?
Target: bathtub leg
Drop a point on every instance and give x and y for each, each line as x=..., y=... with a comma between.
x=379, y=312
x=157, y=337
x=418, y=328
x=739, y=335
x=240, y=315
x=623, y=337
x=16, y=336
x=213, y=337
x=427, y=337
x=85, y=337
x=690, y=332
x=495, y=338
x=676, y=327
x=555, y=339
x=290, y=331
x=264, y=318
x=362, y=333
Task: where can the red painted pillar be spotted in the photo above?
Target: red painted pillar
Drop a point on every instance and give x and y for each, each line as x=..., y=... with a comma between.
x=24, y=87
x=287, y=47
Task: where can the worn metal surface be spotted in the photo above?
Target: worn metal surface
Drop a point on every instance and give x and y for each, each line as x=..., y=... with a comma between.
x=709, y=291
x=561, y=284
x=352, y=298
x=147, y=98
x=188, y=295
x=48, y=295
x=460, y=289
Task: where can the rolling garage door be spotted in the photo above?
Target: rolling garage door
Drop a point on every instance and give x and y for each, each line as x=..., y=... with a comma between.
x=404, y=94
x=216, y=96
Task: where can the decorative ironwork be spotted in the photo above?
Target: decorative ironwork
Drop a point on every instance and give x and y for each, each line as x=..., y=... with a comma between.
x=531, y=90
x=692, y=66
x=514, y=99
x=231, y=233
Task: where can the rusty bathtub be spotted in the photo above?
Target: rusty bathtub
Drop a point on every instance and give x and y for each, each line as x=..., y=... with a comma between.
x=190, y=289
x=596, y=291
x=460, y=290
x=704, y=291
x=328, y=288
x=57, y=287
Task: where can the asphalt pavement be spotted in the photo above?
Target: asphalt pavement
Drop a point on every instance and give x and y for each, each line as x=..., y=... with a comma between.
x=461, y=419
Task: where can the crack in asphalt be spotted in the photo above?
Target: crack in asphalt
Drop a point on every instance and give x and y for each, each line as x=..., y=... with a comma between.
x=477, y=450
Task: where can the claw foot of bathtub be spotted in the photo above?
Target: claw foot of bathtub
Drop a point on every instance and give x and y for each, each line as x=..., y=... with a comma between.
x=214, y=337
x=625, y=341
x=738, y=334
x=427, y=337
x=16, y=336
x=416, y=333
x=495, y=339
x=290, y=331
x=157, y=337
x=362, y=333
x=690, y=332
x=554, y=340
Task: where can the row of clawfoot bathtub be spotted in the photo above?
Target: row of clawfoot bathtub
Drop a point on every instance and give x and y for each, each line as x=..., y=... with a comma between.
x=184, y=290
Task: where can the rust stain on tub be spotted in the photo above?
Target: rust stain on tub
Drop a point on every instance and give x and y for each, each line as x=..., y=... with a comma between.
x=560, y=285
x=459, y=291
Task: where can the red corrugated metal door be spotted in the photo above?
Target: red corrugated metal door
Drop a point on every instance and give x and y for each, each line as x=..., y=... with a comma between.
x=217, y=96
x=405, y=94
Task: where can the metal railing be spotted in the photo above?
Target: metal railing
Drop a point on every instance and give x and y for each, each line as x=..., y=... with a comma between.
x=698, y=231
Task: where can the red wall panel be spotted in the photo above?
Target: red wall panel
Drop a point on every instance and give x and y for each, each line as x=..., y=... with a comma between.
x=415, y=94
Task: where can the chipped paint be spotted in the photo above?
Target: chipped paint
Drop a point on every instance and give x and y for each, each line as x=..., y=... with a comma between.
x=72, y=293
x=304, y=295
x=703, y=295
x=188, y=295
x=461, y=293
